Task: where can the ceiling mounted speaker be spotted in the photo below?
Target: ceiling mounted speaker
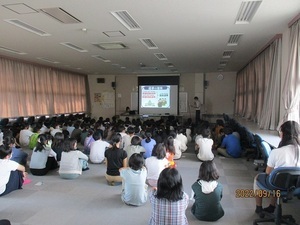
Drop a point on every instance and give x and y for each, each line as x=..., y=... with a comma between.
x=100, y=80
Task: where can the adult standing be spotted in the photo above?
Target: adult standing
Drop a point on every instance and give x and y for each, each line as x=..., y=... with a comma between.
x=197, y=106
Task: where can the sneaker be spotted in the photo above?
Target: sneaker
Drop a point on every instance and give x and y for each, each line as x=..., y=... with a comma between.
x=85, y=169
x=269, y=209
x=258, y=209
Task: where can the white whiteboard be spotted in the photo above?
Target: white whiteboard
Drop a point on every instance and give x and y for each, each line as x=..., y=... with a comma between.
x=134, y=101
x=183, y=97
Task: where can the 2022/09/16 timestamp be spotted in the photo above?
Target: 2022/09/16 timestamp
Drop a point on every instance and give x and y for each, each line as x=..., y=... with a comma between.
x=250, y=193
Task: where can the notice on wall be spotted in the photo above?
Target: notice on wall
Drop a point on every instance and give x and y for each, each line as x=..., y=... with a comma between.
x=106, y=99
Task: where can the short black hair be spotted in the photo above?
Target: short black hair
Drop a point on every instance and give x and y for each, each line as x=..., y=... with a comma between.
x=130, y=130
x=135, y=140
x=4, y=152
x=136, y=161
x=97, y=135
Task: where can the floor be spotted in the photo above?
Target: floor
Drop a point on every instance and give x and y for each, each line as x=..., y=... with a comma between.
x=88, y=200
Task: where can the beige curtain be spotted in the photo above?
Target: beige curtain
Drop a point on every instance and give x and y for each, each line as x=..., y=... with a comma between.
x=27, y=90
x=291, y=88
x=257, y=95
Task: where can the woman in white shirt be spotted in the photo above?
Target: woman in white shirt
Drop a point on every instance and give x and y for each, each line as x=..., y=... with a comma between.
x=204, y=145
x=73, y=161
x=287, y=154
x=12, y=174
x=156, y=163
x=43, y=158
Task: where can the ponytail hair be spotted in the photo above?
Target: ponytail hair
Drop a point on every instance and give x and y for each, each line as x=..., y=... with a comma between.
x=148, y=135
x=116, y=138
x=41, y=144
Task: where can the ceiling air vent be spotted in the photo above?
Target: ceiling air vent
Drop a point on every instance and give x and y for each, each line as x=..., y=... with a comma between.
x=227, y=54
x=27, y=27
x=101, y=58
x=234, y=39
x=160, y=56
x=247, y=11
x=11, y=50
x=126, y=19
x=74, y=47
x=61, y=15
x=148, y=43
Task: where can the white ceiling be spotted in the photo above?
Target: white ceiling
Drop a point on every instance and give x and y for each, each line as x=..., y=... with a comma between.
x=192, y=34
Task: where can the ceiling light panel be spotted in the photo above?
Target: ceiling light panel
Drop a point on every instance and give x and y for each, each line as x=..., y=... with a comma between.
x=148, y=43
x=111, y=45
x=74, y=47
x=160, y=56
x=126, y=19
x=101, y=58
x=48, y=60
x=170, y=65
x=61, y=15
x=27, y=27
x=12, y=51
x=20, y=8
x=234, y=39
x=223, y=63
x=148, y=68
x=114, y=34
x=247, y=11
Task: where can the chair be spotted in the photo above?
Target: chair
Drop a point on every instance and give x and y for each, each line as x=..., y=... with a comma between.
x=264, y=150
x=283, y=182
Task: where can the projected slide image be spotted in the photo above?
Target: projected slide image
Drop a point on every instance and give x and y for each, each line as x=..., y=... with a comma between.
x=157, y=96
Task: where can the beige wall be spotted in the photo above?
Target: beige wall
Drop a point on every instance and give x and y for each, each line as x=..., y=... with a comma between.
x=97, y=109
x=219, y=94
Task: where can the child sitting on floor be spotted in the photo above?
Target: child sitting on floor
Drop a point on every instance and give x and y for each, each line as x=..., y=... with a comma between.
x=134, y=181
x=207, y=194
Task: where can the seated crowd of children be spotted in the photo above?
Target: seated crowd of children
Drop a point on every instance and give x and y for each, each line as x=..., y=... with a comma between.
x=137, y=155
